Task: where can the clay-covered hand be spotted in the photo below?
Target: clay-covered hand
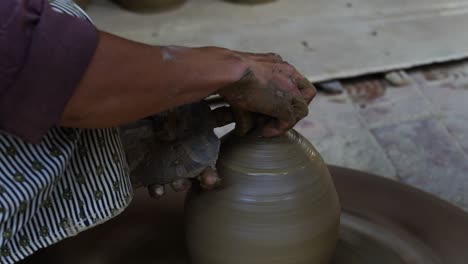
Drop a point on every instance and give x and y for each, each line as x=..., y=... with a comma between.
x=271, y=87
x=174, y=148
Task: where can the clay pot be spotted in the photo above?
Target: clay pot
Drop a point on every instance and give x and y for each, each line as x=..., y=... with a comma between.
x=149, y=5
x=277, y=205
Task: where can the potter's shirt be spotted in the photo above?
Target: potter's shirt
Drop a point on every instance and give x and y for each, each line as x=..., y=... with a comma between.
x=37, y=43
x=70, y=179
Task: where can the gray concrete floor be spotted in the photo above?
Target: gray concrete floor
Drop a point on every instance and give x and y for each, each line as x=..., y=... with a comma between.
x=416, y=133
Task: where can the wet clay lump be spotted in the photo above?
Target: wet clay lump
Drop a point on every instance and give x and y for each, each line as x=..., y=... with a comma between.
x=277, y=205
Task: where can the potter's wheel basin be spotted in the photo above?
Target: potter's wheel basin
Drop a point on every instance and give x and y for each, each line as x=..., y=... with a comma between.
x=384, y=222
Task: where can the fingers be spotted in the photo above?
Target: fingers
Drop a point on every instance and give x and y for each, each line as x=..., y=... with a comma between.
x=275, y=57
x=277, y=127
x=262, y=57
x=274, y=88
x=181, y=185
x=156, y=191
x=209, y=179
x=288, y=106
x=301, y=92
x=283, y=70
x=299, y=82
x=307, y=89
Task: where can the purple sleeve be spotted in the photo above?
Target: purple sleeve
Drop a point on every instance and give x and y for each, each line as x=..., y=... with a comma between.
x=43, y=56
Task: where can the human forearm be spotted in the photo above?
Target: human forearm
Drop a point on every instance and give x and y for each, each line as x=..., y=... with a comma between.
x=127, y=81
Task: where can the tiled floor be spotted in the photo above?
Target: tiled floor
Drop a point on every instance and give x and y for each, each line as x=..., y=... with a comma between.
x=417, y=133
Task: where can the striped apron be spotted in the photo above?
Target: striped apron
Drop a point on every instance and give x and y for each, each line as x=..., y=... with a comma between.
x=73, y=180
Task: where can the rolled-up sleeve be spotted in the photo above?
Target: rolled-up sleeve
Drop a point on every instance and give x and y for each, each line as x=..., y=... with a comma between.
x=43, y=56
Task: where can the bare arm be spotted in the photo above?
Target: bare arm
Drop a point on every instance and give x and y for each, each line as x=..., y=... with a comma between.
x=127, y=81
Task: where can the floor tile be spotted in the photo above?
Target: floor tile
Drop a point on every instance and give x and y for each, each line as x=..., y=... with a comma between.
x=426, y=156
x=397, y=105
x=337, y=131
x=457, y=126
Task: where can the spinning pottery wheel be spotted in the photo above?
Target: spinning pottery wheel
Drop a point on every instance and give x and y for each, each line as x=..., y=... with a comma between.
x=383, y=222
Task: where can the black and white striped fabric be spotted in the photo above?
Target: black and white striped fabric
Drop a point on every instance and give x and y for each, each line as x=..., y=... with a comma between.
x=73, y=180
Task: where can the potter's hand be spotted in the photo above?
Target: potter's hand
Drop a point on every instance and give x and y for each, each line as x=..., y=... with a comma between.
x=174, y=148
x=274, y=88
